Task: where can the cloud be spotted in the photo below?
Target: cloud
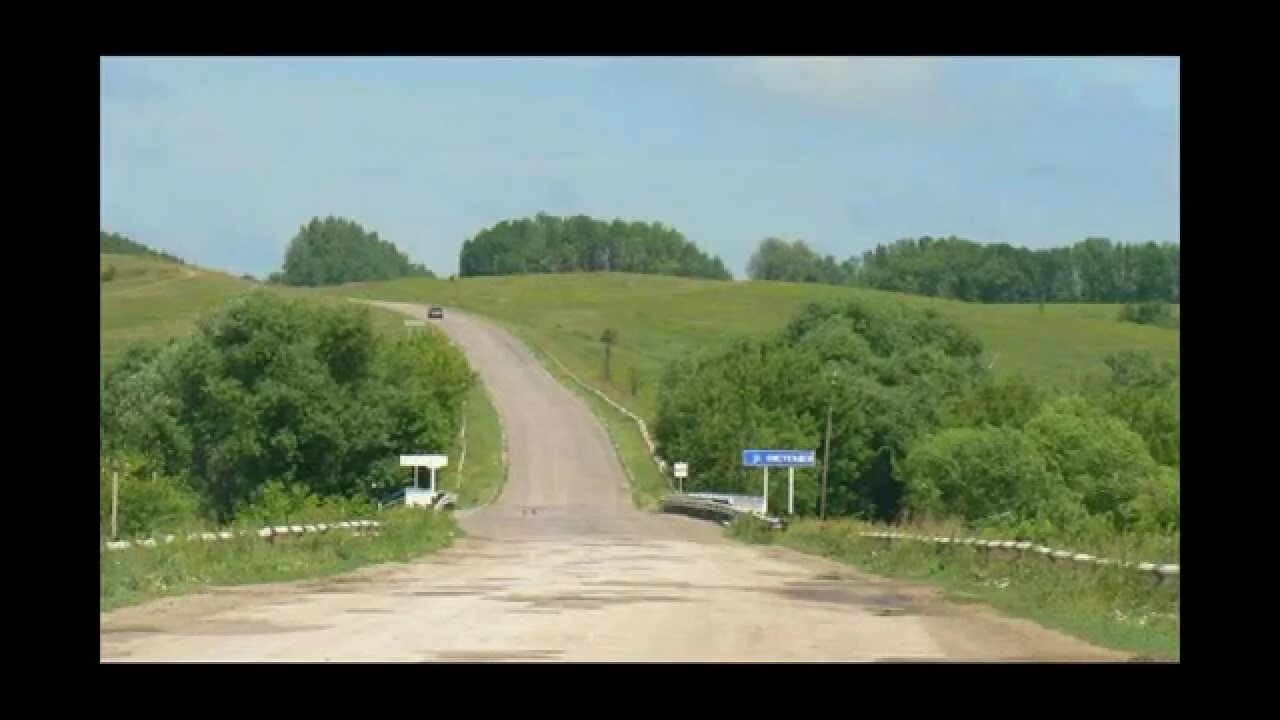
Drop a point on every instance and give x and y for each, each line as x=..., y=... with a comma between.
x=840, y=83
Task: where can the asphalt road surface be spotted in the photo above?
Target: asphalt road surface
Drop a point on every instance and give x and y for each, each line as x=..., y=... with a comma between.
x=562, y=568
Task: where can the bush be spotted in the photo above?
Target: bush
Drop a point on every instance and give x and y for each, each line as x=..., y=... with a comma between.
x=983, y=475
x=107, y=274
x=1094, y=454
x=148, y=502
x=1149, y=313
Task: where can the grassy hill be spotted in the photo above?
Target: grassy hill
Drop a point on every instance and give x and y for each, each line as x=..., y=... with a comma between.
x=662, y=318
x=151, y=299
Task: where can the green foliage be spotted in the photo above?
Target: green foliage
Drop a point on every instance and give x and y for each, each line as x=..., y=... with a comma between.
x=270, y=389
x=883, y=369
x=1003, y=402
x=107, y=274
x=547, y=244
x=1093, y=270
x=778, y=260
x=121, y=245
x=1159, y=314
x=334, y=251
x=147, y=501
x=1144, y=392
x=1094, y=454
x=983, y=475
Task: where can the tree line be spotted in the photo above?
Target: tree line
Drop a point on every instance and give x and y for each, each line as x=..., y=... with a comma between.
x=1092, y=270
x=920, y=427
x=548, y=244
x=333, y=251
x=109, y=242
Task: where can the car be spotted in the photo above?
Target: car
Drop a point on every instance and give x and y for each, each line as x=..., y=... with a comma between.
x=435, y=313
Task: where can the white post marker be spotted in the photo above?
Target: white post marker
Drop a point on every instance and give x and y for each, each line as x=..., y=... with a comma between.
x=791, y=491
x=115, y=498
x=681, y=471
x=764, y=507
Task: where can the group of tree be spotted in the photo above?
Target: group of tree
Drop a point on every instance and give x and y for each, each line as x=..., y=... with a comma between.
x=547, y=244
x=335, y=250
x=779, y=260
x=276, y=392
x=109, y=242
x=1092, y=270
x=920, y=427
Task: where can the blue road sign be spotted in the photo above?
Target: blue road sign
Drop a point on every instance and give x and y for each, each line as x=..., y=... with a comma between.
x=779, y=458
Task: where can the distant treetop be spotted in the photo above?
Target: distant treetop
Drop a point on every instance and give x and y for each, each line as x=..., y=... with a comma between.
x=335, y=250
x=109, y=242
x=548, y=244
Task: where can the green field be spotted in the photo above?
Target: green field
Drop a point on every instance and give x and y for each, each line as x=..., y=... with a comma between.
x=661, y=318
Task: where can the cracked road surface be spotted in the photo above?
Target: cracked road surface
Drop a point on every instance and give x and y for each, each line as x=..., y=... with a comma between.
x=561, y=567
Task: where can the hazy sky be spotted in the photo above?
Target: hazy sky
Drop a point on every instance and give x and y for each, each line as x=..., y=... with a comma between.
x=221, y=160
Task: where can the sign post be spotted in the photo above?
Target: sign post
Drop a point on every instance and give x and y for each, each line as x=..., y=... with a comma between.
x=681, y=472
x=789, y=459
x=791, y=490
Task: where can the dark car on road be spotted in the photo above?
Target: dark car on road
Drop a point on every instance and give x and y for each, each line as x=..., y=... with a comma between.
x=435, y=313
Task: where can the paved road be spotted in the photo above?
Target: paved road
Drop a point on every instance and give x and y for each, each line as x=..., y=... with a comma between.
x=561, y=567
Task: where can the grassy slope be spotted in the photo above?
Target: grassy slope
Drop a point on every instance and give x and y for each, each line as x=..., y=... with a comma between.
x=662, y=318
x=151, y=299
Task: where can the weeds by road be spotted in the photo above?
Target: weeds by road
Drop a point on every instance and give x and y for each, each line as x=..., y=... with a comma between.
x=1110, y=607
x=134, y=575
x=484, y=472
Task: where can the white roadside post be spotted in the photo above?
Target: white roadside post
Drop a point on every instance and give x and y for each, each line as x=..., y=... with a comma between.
x=791, y=490
x=681, y=471
x=764, y=508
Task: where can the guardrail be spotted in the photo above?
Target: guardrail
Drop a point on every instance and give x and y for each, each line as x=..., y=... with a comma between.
x=707, y=508
x=268, y=533
x=1012, y=548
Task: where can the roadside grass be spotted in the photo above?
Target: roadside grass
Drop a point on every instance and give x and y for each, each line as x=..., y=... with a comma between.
x=138, y=574
x=1112, y=607
x=484, y=471
x=660, y=319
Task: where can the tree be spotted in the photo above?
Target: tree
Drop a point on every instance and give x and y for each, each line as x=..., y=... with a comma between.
x=109, y=242
x=334, y=251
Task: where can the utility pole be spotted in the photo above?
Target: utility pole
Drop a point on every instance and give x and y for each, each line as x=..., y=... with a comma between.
x=826, y=463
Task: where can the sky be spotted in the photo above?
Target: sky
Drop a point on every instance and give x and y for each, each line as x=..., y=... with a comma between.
x=222, y=160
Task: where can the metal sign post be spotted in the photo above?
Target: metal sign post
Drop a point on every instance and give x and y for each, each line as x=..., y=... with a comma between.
x=790, y=459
